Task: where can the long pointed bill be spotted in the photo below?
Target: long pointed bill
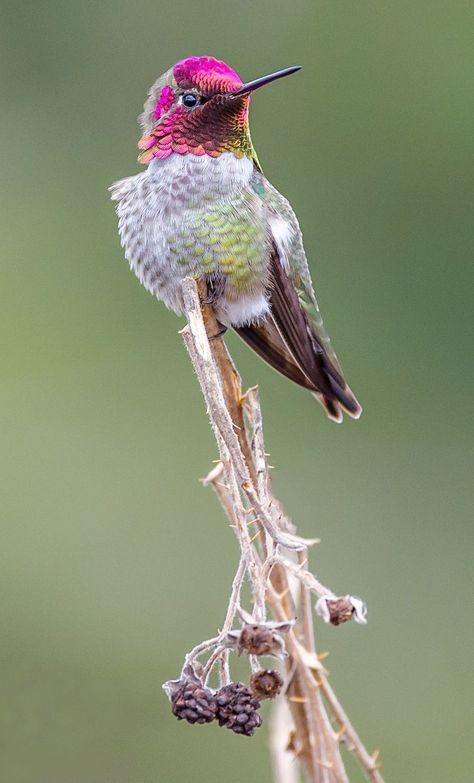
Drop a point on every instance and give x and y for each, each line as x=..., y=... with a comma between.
x=256, y=83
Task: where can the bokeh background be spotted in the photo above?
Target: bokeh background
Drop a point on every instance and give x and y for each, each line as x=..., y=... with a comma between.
x=114, y=560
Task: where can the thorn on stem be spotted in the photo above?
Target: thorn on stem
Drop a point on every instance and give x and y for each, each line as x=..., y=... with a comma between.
x=256, y=535
x=324, y=764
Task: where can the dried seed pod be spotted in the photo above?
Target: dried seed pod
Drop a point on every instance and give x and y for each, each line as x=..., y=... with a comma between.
x=256, y=640
x=237, y=709
x=266, y=684
x=338, y=610
x=192, y=702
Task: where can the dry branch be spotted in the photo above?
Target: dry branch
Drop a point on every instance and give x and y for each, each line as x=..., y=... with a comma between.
x=274, y=560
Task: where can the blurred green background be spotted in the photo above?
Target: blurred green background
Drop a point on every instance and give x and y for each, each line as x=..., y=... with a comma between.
x=114, y=560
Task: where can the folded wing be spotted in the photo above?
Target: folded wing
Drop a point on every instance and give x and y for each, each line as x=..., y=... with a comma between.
x=292, y=338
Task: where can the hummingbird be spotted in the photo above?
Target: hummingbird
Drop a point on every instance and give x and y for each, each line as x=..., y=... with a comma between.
x=203, y=208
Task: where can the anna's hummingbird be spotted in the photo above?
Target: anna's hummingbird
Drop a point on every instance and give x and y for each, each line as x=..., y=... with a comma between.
x=203, y=208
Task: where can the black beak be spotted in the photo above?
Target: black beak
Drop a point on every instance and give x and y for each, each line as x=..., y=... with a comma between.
x=256, y=83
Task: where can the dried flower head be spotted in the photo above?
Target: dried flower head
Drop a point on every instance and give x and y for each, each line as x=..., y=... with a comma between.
x=342, y=609
x=237, y=709
x=266, y=684
x=190, y=700
x=257, y=638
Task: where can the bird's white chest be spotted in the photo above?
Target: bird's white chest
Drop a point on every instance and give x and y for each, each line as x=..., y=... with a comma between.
x=159, y=203
x=188, y=181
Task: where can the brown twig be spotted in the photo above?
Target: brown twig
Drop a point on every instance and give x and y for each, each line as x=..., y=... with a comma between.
x=230, y=378
x=274, y=559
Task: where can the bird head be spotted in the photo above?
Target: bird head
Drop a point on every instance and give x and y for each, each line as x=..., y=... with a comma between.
x=199, y=107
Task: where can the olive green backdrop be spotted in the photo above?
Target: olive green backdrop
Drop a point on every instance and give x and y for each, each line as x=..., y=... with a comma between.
x=114, y=559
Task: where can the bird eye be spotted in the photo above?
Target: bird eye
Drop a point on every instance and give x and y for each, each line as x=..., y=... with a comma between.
x=190, y=100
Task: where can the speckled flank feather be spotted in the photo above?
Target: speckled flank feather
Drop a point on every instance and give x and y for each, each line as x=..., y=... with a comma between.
x=203, y=208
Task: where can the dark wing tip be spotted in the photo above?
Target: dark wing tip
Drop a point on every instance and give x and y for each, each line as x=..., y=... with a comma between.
x=346, y=398
x=335, y=409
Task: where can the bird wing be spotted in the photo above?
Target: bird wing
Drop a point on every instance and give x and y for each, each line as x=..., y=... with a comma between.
x=265, y=339
x=292, y=338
